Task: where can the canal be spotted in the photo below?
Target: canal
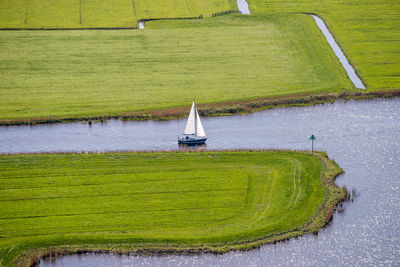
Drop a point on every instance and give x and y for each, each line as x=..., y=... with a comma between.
x=362, y=136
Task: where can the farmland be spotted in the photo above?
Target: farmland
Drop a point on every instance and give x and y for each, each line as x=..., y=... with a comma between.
x=367, y=30
x=53, y=76
x=77, y=14
x=211, y=201
x=79, y=74
x=175, y=201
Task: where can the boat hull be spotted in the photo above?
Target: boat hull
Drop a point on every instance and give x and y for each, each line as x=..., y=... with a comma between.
x=191, y=140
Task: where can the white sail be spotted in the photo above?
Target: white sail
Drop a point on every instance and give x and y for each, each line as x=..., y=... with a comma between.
x=200, y=129
x=190, y=125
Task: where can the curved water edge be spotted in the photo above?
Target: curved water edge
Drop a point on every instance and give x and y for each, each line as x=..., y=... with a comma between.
x=318, y=220
x=339, y=53
x=281, y=128
x=243, y=7
x=218, y=109
x=362, y=136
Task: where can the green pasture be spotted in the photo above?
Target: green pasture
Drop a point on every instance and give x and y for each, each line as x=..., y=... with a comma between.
x=277, y=52
x=78, y=74
x=367, y=30
x=166, y=199
x=101, y=13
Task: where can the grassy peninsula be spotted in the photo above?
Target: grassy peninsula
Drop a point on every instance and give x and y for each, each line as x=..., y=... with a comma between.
x=164, y=201
x=51, y=75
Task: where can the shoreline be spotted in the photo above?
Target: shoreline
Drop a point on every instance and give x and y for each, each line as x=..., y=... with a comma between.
x=334, y=195
x=227, y=108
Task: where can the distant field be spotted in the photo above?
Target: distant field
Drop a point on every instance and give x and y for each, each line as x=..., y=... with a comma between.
x=368, y=31
x=160, y=200
x=102, y=13
x=78, y=74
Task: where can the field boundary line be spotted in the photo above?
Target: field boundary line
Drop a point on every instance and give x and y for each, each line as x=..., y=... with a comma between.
x=80, y=11
x=115, y=28
x=187, y=4
x=134, y=7
x=67, y=29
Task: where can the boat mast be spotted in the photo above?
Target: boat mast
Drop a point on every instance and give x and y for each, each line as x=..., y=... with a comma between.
x=195, y=119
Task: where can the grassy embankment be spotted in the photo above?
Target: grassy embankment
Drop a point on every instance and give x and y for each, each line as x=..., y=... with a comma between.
x=75, y=14
x=367, y=30
x=160, y=202
x=60, y=75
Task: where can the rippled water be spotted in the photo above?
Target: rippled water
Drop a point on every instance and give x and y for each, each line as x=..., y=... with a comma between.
x=362, y=136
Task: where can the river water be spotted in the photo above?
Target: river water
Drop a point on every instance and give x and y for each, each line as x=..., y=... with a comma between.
x=362, y=136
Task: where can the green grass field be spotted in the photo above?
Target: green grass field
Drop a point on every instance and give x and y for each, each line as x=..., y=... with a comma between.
x=78, y=74
x=59, y=75
x=174, y=200
x=367, y=30
x=25, y=14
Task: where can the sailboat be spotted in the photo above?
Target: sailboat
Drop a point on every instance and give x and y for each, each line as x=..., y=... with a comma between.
x=194, y=132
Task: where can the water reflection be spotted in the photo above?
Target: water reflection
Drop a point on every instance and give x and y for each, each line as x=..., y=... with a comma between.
x=362, y=136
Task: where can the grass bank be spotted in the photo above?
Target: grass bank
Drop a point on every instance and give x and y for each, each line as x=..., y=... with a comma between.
x=368, y=32
x=63, y=75
x=162, y=202
x=75, y=14
x=223, y=108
